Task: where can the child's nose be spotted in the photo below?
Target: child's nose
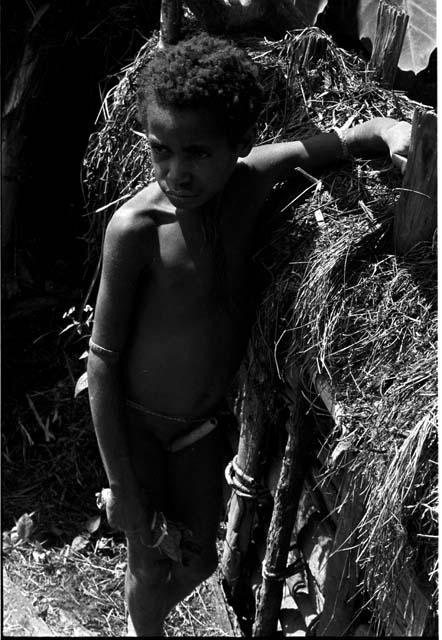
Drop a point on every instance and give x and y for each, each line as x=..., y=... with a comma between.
x=179, y=174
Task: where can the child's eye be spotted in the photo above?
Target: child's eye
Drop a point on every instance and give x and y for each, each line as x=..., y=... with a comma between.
x=201, y=153
x=158, y=148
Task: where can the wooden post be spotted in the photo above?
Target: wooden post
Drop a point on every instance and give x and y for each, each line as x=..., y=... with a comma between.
x=242, y=510
x=390, y=32
x=170, y=22
x=285, y=508
x=416, y=212
x=342, y=573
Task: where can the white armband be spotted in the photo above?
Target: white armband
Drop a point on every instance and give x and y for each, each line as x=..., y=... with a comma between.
x=102, y=352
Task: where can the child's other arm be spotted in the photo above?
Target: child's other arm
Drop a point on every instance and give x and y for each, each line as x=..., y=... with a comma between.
x=275, y=162
x=124, y=255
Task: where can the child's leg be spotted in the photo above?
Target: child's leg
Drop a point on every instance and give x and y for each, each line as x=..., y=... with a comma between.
x=194, y=483
x=148, y=571
x=146, y=587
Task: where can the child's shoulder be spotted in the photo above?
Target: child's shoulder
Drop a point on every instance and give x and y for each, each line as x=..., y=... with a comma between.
x=134, y=226
x=144, y=212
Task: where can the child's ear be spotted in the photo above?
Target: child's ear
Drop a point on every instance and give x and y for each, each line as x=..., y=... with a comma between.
x=246, y=142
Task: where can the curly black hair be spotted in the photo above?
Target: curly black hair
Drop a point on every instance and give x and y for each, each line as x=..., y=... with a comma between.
x=204, y=72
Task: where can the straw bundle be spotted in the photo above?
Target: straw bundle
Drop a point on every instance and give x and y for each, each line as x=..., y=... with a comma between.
x=334, y=294
x=369, y=320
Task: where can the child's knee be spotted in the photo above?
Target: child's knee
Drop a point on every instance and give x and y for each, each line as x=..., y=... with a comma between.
x=199, y=567
x=147, y=575
x=146, y=566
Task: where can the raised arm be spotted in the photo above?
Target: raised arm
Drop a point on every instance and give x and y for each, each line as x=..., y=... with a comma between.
x=125, y=256
x=275, y=162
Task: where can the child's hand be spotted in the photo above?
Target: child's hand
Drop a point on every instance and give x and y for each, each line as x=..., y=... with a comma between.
x=397, y=138
x=128, y=513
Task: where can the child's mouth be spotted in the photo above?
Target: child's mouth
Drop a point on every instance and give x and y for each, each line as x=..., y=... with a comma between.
x=181, y=196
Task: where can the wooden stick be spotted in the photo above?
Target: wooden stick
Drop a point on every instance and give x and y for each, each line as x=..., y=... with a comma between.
x=416, y=213
x=242, y=510
x=170, y=22
x=285, y=508
x=390, y=32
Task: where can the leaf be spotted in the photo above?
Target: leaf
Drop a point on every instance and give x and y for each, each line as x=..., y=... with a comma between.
x=24, y=526
x=44, y=425
x=39, y=556
x=22, y=529
x=69, y=326
x=38, y=15
x=6, y=541
x=92, y=524
x=80, y=542
x=81, y=384
x=420, y=38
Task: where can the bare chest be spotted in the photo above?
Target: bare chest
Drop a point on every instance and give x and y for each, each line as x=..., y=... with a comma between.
x=191, y=262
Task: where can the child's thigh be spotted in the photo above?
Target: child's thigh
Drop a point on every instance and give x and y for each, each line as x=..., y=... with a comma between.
x=148, y=461
x=194, y=483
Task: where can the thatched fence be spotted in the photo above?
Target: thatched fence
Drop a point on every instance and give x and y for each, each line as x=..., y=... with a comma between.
x=332, y=523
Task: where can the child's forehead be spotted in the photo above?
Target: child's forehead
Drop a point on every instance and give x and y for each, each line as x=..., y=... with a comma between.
x=202, y=120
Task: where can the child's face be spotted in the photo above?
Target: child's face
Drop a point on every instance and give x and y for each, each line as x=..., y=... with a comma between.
x=192, y=158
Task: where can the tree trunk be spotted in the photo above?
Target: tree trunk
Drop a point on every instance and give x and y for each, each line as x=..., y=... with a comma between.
x=170, y=20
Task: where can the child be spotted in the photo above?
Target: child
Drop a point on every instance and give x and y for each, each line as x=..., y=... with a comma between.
x=174, y=307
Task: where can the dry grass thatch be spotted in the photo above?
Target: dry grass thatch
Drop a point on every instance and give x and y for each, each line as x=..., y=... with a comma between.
x=337, y=294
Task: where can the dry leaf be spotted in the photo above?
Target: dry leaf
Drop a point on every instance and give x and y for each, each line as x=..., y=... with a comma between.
x=38, y=556
x=24, y=526
x=93, y=523
x=80, y=542
x=81, y=384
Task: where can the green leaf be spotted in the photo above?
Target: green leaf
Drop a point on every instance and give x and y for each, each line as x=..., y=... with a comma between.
x=420, y=38
x=81, y=384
